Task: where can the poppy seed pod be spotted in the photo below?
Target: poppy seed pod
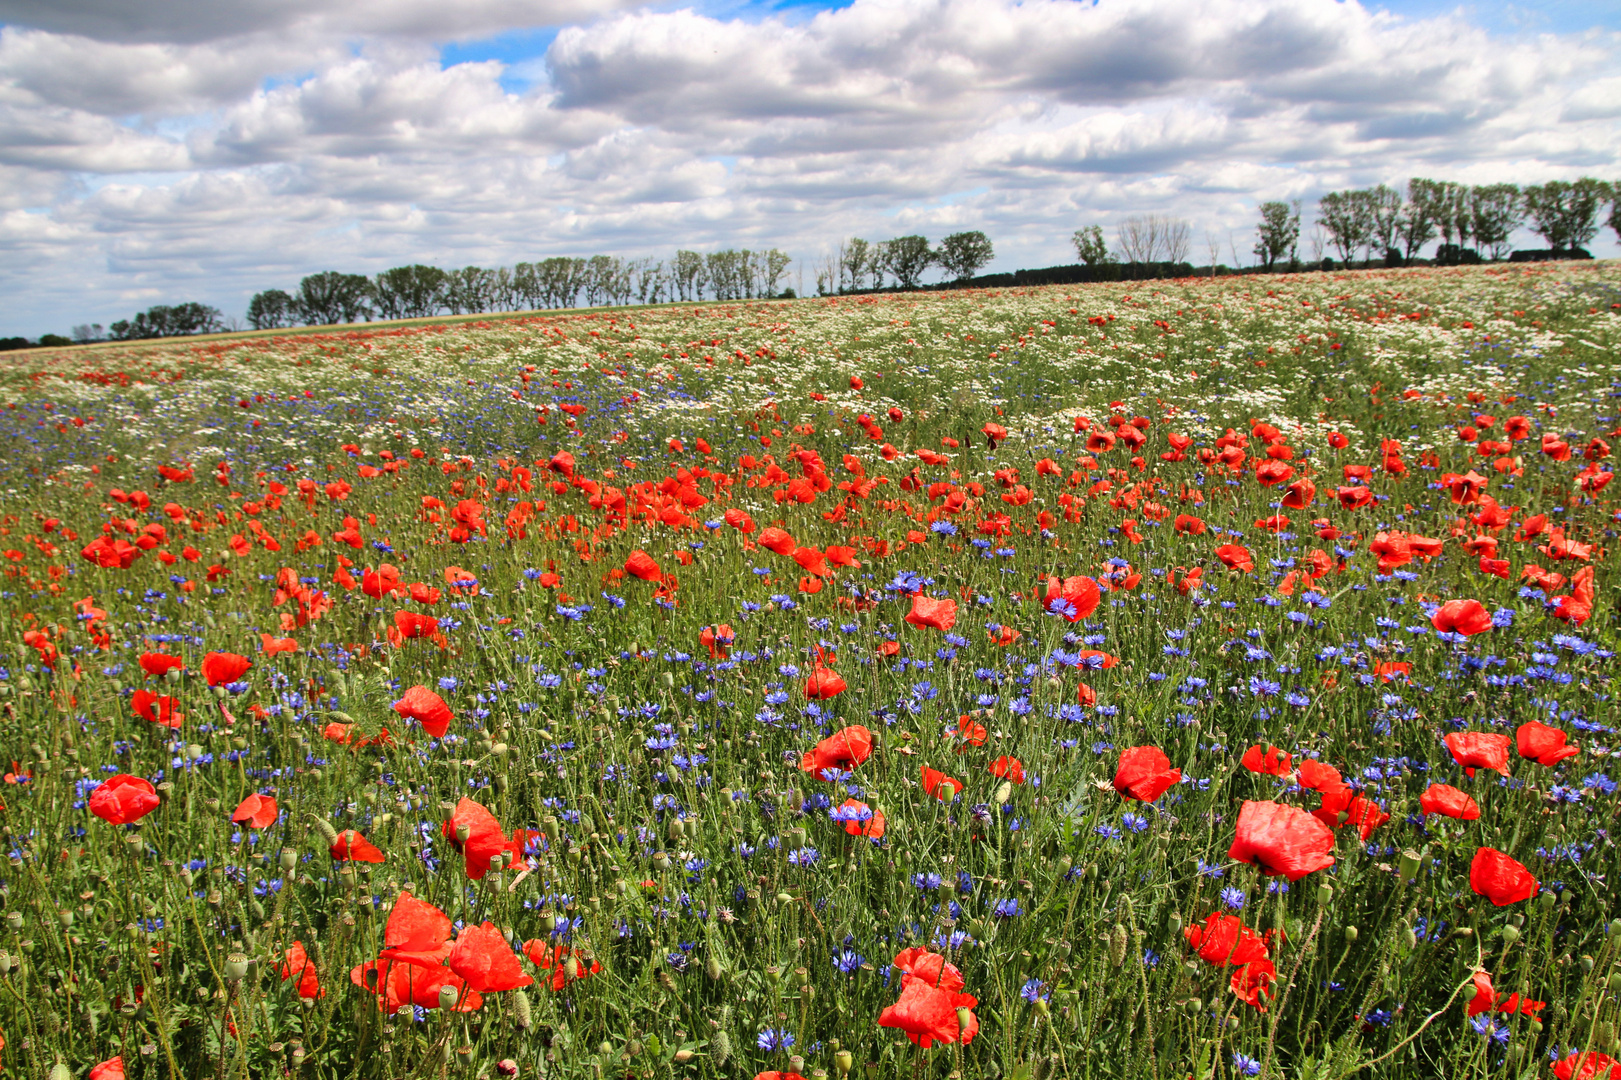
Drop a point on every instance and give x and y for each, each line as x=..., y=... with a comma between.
x=236, y=967
x=1510, y=935
x=843, y=1061
x=447, y=997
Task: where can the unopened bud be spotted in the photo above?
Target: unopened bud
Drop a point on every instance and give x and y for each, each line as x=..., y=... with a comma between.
x=1004, y=792
x=713, y=969
x=522, y=1018
x=1325, y=893
x=1350, y=933
x=324, y=827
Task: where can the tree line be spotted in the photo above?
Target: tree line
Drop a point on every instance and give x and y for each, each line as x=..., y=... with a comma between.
x=858, y=265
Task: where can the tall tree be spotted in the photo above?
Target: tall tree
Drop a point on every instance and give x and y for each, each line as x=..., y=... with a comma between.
x=961, y=254
x=1090, y=247
x=853, y=257
x=687, y=273
x=1278, y=232
x=1418, y=219
x=329, y=298
x=272, y=310
x=1495, y=211
x=1343, y=214
x=907, y=257
x=409, y=292
x=1566, y=214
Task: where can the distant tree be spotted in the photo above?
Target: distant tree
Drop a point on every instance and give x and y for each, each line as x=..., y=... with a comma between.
x=163, y=320
x=526, y=286
x=773, y=265
x=1494, y=211
x=1138, y=238
x=1176, y=237
x=54, y=341
x=409, y=292
x=503, y=290
x=1278, y=232
x=1385, y=209
x=907, y=257
x=652, y=282
x=1566, y=214
x=1347, y=217
x=688, y=275
x=1614, y=221
x=853, y=258
x=272, y=310
x=1449, y=202
x=961, y=254
x=1417, y=223
x=85, y=333
x=1090, y=246
x=329, y=298
x=561, y=279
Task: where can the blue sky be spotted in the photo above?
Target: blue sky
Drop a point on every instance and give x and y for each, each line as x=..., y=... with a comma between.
x=156, y=151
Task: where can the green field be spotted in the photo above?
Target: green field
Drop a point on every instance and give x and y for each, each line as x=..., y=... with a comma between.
x=1088, y=681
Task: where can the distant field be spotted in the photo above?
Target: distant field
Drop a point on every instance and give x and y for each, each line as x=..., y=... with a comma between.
x=1203, y=678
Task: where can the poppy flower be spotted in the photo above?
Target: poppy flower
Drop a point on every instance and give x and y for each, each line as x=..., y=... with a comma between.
x=929, y=1014
x=777, y=540
x=1074, y=597
x=1466, y=617
x=940, y=785
x=740, y=521
x=970, y=731
x=482, y=957
x=1145, y=773
x=812, y=560
x=938, y=614
x=1543, y=744
x=1010, y=768
x=111, y=1069
x=257, y=811
x=1448, y=801
x=1253, y=981
x=1224, y=939
x=123, y=798
x=1590, y=1065
x=417, y=932
x=351, y=845
x=274, y=645
x=862, y=820
x=1235, y=557
x=641, y=565
x=1499, y=878
x=1299, y=495
x=717, y=639
x=1479, y=750
x=1578, y=606
x=1389, y=670
x=159, y=664
x=555, y=958
x=1269, y=760
x=844, y=749
x=1085, y=695
x=1315, y=776
x=823, y=683
x=398, y=985
x=156, y=708
x=296, y=964
x=224, y=667
x=1281, y=840
x=1342, y=807
x=411, y=624
x=427, y=708
x=485, y=837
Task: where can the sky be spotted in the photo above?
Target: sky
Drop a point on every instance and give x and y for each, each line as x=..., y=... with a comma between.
x=161, y=151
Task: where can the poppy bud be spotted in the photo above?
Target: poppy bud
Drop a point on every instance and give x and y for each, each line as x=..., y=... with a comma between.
x=720, y=1046
x=674, y=831
x=1350, y=934
x=683, y=1055
x=713, y=968
x=1510, y=935
x=661, y=860
x=324, y=827
x=506, y=1067
x=965, y=1019
x=1615, y=982
x=1470, y=991
x=1587, y=964
x=1615, y=928
x=571, y=968
x=795, y=1062
x=463, y=831
x=773, y=973
x=669, y=680
x=1324, y=894
x=1004, y=792
x=172, y=675
x=1410, y=937
x=447, y=997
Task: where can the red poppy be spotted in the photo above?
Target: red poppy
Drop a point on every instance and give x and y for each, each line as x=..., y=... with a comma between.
x=823, y=683
x=398, y=984
x=411, y=624
x=123, y=798
x=812, y=560
x=416, y=933
x=1543, y=744
x=1499, y=878
x=1578, y=606
x=777, y=1074
x=111, y=1069
x=1253, y=981
x=1448, y=801
x=157, y=708
x=641, y=565
x=1589, y=1065
x=1235, y=557
x=1390, y=670
x=1363, y=813
x=1479, y=750
x=1010, y=768
x=843, y=750
x=1467, y=617
x=351, y=845
x=940, y=785
x=873, y=826
x=1145, y=773
x=427, y=708
x=485, y=837
x=556, y=959
x=483, y=958
x=1085, y=695
x=1281, y=840
x=1315, y=776
x=1269, y=760
x=257, y=811
x=740, y=521
x=159, y=663
x=274, y=645
x=931, y=995
x=1224, y=939
x=777, y=540
x=1082, y=594
x=939, y=614
x=1487, y=999
x=970, y=731
x=717, y=639
x=224, y=667
x=296, y=964
x=1299, y=495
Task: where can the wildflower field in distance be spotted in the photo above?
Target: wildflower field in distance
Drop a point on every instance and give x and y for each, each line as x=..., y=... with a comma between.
x=1206, y=678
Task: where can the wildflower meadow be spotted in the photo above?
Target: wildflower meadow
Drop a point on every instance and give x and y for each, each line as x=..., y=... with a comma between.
x=1206, y=678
